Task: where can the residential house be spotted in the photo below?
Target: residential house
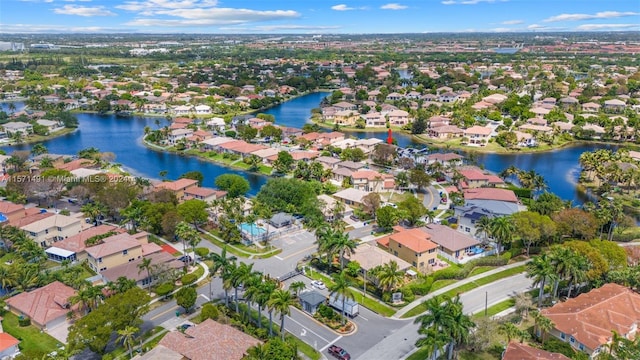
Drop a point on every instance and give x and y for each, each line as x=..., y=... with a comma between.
x=375, y=119
x=453, y=245
x=182, y=110
x=498, y=201
x=372, y=181
x=176, y=135
x=328, y=162
x=159, y=352
x=327, y=206
x=47, y=306
x=177, y=187
x=413, y=246
x=591, y=107
x=18, y=127
x=202, y=193
x=10, y=211
x=73, y=248
x=346, y=117
x=52, y=228
x=478, y=135
x=350, y=196
x=8, y=346
x=369, y=257
x=209, y=340
x=161, y=261
x=445, y=132
x=398, y=117
x=569, y=103
x=343, y=105
x=113, y=251
x=475, y=178
x=518, y=351
x=203, y=109
x=467, y=217
x=451, y=159
x=587, y=321
x=394, y=96
x=50, y=125
x=613, y=105
x=448, y=97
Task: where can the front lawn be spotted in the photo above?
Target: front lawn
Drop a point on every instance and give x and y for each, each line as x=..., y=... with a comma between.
x=33, y=343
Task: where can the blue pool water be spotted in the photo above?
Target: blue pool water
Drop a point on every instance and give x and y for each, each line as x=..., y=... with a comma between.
x=252, y=229
x=2, y=217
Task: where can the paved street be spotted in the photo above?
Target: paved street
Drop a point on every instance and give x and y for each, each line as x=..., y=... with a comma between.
x=376, y=337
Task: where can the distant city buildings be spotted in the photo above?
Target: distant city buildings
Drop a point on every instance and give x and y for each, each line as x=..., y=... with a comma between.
x=11, y=46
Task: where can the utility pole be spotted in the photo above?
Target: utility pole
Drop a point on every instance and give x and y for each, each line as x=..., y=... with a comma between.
x=486, y=301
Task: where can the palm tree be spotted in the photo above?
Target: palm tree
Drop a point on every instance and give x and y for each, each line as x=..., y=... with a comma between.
x=280, y=301
x=341, y=289
x=560, y=257
x=145, y=265
x=297, y=286
x=460, y=326
x=576, y=270
x=258, y=352
x=7, y=278
x=341, y=244
x=483, y=226
x=254, y=162
x=227, y=280
x=502, y=230
x=510, y=330
x=266, y=289
x=240, y=276
x=389, y=276
x=188, y=235
x=540, y=268
x=220, y=261
x=127, y=337
x=38, y=149
x=433, y=340
x=543, y=325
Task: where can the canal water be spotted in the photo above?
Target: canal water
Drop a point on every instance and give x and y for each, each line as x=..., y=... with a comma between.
x=123, y=137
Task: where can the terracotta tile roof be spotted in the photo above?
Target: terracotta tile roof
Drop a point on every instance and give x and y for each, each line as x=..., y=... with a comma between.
x=200, y=191
x=517, y=351
x=591, y=317
x=7, y=207
x=490, y=194
x=176, y=185
x=75, y=164
x=113, y=245
x=31, y=218
x=415, y=239
x=7, y=341
x=76, y=244
x=43, y=304
x=210, y=340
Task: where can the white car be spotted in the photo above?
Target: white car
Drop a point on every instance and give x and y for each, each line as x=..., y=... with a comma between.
x=318, y=284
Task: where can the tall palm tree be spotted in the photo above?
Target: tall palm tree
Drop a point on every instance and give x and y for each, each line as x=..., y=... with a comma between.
x=483, y=226
x=128, y=336
x=7, y=278
x=266, y=289
x=258, y=352
x=540, y=269
x=502, y=230
x=510, y=330
x=576, y=271
x=188, y=235
x=240, y=276
x=342, y=245
x=543, y=325
x=228, y=273
x=560, y=258
x=389, y=276
x=341, y=290
x=220, y=261
x=297, y=286
x=433, y=340
x=252, y=290
x=281, y=301
x=145, y=265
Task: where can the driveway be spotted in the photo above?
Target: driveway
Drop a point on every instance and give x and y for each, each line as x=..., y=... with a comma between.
x=60, y=332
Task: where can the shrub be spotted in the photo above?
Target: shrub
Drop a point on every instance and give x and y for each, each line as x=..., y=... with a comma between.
x=230, y=133
x=164, y=289
x=554, y=345
x=202, y=251
x=189, y=279
x=407, y=295
x=327, y=312
x=423, y=287
x=386, y=297
x=209, y=311
x=24, y=321
x=491, y=261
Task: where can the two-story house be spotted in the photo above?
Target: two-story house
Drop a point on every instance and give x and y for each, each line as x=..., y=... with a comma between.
x=478, y=135
x=177, y=187
x=114, y=251
x=52, y=228
x=413, y=246
x=372, y=181
x=587, y=322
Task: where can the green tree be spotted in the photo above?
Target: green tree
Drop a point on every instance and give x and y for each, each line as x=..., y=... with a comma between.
x=502, y=230
x=145, y=265
x=281, y=301
x=540, y=269
x=389, y=276
x=188, y=235
x=387, y=217
x=412, y=210
x=283, y=163
x=297, y=286
x=419, y=178
x=341, y=290
x=193, y=211
x=193, y=175
x=341, y=244
x=38, y=149
x=186, y=297
x=234, y=185
x=127, y=337
x=532, y=227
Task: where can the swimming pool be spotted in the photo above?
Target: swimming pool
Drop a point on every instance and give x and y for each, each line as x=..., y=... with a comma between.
x=252, y=229
x=2, y=217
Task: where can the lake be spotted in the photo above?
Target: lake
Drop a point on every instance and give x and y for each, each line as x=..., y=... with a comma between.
x=123, y=137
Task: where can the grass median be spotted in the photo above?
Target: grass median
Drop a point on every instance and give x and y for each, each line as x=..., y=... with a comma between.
x=467, y=287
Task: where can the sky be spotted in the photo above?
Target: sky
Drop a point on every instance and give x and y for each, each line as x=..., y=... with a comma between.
x=316, y=16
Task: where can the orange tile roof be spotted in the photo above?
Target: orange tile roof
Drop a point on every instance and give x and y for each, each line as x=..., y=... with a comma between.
x=210, y=340
x=490, y=194
x=44, y=304
x=517, y=351
x=76, y=243
x=414, y=239
x=7, y=341
x=591, y=317
x=29, y=219
x=176, y=185
x=7, y=207
x=75, y=164
x=112, y=245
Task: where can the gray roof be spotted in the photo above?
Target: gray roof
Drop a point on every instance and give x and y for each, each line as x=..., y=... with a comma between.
x=312, y=297
x=281, y=218
x=496, y=207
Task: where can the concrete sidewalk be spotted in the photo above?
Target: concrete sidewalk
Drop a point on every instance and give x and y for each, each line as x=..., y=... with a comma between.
x=417, y=302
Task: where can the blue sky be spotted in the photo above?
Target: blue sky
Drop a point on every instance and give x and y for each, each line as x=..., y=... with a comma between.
x=316, y=16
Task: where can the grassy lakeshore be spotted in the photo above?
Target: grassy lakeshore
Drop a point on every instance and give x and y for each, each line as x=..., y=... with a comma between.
x=32, y=139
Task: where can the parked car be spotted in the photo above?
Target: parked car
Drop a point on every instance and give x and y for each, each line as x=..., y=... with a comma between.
x=185, y=258
x=318, y=284
x=339, y=353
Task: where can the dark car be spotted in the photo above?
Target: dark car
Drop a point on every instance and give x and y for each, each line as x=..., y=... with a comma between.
x=339, y=353
x=185, y=258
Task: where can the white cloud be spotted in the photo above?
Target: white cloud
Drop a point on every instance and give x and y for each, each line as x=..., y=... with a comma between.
x=272, y=28
x=512, y=22
x=151, y=5
x=595, y=27
x=214, y=16
x=83, y=11
x=38, y=1
x=538, y=27
x=599, y=15
x=502, y=29
x=449, y=2
x=76, y=0
x=38, y=29
x=341, y=7
x=393, y=6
